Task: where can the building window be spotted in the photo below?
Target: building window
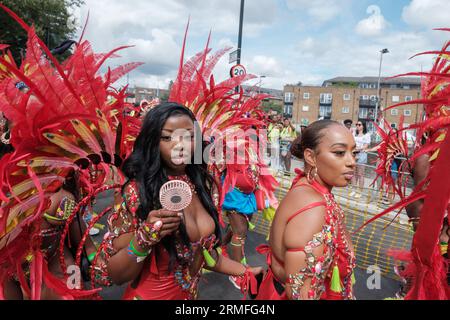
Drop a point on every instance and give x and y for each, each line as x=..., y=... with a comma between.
x=305, y=108
x=393, y=125
x=372, y=85
x=394, y=112
x=373, y=98
x=326, y=97
x=306, y=95
x=406, y=86
x=363, y=112
x=363, y=97
x=408, y=98
x=395, y=98
x=345, y=110
x=288, y=110
x=393, y=86
x=325, y=112
x=407, y=112
x=289, y=97
x=405, y=125
x=346, y=96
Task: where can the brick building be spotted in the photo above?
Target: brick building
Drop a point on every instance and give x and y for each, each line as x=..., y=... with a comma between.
x=353, y=98
x=137, y=94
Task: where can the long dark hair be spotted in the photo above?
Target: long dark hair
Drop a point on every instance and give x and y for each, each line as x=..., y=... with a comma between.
x=364, y=125
x=144, y=166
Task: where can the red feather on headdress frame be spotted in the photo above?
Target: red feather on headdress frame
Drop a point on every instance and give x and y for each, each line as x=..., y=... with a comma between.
x=67, y=119
x=427, y=267
x=227, y=118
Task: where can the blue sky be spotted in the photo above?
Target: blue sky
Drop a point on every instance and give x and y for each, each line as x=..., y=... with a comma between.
x=285, y=40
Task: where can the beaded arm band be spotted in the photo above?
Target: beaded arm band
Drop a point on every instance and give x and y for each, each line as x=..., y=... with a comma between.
x=146, y=236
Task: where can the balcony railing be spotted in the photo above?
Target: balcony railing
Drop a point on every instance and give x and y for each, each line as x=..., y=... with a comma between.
x=367, y=103
x=325, y=101
x=325, y=115
x=369, y=116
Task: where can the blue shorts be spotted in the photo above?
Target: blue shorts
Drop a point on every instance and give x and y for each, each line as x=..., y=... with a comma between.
x=240, y=202
x=394, y=169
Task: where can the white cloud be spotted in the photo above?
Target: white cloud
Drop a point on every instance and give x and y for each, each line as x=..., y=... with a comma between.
x=320, y=10
x=374, y=25
x=226, y=42
x=427, y=13
x=315, y=60
x=323, y=47
x=156, y=28
x=263, y=65
x=161, y=53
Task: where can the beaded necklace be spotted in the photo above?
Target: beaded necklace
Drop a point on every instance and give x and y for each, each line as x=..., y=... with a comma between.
x=186, y=179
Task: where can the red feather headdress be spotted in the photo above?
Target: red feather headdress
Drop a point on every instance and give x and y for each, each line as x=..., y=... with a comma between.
x=228, y=119
x=67, y=119
x=427, y=268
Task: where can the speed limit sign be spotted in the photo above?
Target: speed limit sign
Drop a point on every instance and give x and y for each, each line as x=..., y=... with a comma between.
x=237, y=70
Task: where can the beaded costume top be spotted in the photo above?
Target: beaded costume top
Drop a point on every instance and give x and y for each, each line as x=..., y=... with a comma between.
x=337, y=254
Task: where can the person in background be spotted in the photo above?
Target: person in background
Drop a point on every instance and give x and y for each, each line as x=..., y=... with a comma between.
x=287, y=135
x=274, y=140
x=348, y=124
x=362, y=139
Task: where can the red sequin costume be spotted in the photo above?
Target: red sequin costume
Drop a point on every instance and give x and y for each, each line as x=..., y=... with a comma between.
x=156, y=281
x=332, y=272
x=218, y=111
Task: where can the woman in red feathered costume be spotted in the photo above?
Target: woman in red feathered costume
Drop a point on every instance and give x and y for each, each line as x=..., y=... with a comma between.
x=310, y=255
x=428, y=203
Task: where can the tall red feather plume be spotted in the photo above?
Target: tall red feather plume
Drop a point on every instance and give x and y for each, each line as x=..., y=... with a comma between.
x=64, y=119
x=222, y=114
x=427, y=267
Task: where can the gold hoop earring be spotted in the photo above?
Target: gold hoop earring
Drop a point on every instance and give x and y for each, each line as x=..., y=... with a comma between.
x=308, y=176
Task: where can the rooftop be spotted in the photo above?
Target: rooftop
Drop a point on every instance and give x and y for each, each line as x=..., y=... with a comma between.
x=273, y=92
x=385, y=80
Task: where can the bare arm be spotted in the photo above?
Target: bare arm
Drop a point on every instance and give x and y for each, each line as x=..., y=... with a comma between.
x=228, y=266
x=123, y=267
x=77, y=230
x=420, y=172
x=116, y=261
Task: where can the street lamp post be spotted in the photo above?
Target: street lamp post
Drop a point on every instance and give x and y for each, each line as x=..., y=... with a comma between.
x=260, y=83
x=385, y=50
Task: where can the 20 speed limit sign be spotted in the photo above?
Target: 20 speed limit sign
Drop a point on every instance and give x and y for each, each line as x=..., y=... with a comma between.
x=237, y=70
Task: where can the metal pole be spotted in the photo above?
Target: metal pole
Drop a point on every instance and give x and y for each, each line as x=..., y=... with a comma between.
x=260, y=83
x=378, y=90
x=378, y=86
x=241, y=19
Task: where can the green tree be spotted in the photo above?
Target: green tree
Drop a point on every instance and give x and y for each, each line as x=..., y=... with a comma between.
x=266, y=105
x=164, y=97
x=51, y=19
